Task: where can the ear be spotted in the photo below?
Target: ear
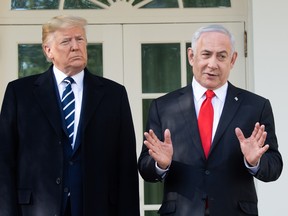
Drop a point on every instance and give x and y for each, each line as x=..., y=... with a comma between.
x=233, y=59
x=47, y=51
x=190, y=55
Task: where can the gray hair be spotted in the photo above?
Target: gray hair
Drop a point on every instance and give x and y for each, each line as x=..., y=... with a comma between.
x=212, y=28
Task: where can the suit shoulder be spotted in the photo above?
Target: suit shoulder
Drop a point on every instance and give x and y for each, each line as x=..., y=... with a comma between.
x=174, y=94
x=249, y=95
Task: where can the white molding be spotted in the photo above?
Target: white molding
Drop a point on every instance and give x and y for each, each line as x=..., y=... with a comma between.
x=123, y=12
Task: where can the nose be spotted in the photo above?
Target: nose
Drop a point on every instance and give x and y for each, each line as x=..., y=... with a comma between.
x=213, y=63
x=74, y=45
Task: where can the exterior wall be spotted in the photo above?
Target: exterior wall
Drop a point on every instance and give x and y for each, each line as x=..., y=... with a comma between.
x=270, y=44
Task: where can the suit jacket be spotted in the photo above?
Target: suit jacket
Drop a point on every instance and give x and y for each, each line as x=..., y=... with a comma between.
x=32, y=149
x=223, y=178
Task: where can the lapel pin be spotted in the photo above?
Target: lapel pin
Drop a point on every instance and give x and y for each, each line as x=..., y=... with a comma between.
x=236, y=98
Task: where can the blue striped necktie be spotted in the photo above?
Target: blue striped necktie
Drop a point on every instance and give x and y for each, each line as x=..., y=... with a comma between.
x=68, y=105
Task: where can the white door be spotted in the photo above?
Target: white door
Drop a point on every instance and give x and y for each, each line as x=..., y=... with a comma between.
x=154, y=64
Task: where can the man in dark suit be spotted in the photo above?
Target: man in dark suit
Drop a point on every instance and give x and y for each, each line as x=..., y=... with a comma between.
x=44, y=171
x=243, y=143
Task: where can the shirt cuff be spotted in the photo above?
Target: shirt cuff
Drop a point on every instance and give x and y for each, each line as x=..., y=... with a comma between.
x=161, y=172
x=252, y=169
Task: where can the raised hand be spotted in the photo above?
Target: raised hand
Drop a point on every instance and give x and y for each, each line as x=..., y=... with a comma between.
x=160, y=151
x=254, y=146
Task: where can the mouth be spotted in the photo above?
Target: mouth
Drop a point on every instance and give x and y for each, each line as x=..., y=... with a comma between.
x=210, y=74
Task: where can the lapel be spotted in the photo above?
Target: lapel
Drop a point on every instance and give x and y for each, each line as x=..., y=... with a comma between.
x=232, y=103
x=46, y=95
x=187, y=107
x=93, y=92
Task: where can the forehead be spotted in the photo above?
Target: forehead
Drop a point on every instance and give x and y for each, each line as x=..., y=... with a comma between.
x=214, y=41
x=72, y=31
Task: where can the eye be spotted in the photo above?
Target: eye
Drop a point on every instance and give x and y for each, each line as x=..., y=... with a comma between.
x=206, y=55
x=65, y=41
x=80, y=39
x=222, y=56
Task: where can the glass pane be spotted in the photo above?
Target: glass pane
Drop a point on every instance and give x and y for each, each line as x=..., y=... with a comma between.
x=31, y=59
x=186, y=3
x=188, y=66
x=206, y=3
x=34, y=4
x=162, y=4
x=151, y=213
x=161, y=69
x=95, y=59
x=153, y=193
x=80, y=4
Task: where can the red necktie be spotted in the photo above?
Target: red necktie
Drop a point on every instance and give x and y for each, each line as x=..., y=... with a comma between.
x=205, y=121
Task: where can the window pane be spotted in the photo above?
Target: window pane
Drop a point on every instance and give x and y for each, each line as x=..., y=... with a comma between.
x=162, y=4
x=188, y=66
x=145, y=107
x=31, y=59
x=95, y=59
x=80, y=4
x=206, y=3
x=151, y=213
x=161, y=69
x=34, y=4
x=153, y=193
x=186, y=3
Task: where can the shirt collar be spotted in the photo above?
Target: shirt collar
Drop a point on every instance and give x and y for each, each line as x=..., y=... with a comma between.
x=199, y=90
x=60, y=76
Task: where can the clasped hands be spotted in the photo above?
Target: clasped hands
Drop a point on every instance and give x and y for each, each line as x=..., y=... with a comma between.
x=252, y=147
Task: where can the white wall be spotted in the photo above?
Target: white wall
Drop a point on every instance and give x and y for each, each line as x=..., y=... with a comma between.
x=270, y=44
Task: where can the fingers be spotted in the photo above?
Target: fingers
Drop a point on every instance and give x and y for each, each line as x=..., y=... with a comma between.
x=239, y=134
x=167, y=137
x=151, y=138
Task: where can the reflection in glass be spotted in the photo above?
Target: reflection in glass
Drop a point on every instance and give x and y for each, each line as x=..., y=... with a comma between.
x=86, y=4
x=31, y=59
x=34, y=4
x=151, y=213
x=188, y=66
x=162, y=4
x=206, y=3
x=161, y=69
x=80, y=4
x=153, y=193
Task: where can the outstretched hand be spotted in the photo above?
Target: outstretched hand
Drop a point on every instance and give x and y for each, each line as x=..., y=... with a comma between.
x=254, y=146
x=160, y=151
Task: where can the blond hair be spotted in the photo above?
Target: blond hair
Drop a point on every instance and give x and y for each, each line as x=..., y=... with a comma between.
x=60, y=22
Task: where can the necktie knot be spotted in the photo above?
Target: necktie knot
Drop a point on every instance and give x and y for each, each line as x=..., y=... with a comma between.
x=68, y=80
x=209, y=94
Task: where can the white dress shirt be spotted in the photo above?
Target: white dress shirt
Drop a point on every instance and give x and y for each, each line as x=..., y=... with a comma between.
x=218, y=104
x=77, y=88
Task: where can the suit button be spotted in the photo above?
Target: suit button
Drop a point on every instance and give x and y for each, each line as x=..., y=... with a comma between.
x=207, y=172
x=58, y=180
x=71, y=163
x=66, y=190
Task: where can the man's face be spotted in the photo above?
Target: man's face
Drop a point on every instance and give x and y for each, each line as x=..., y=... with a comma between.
x=67, y=50
x=212, y=60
